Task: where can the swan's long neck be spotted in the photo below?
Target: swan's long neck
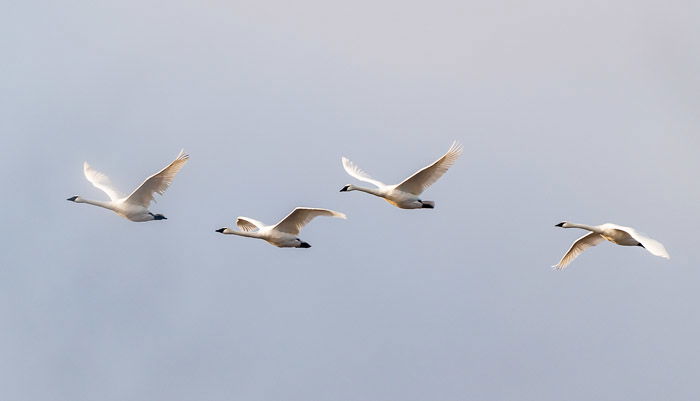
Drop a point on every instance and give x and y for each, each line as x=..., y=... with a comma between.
x=242, y=233
x=582, y=226
x=106, y=205
x=372, y=191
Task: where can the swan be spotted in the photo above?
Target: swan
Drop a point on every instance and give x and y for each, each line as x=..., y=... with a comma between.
x=135, y=206
x=406, y=194
x=283, y=234
x=619, y=235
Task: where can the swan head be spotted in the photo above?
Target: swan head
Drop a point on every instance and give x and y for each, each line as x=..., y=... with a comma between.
x=158, y=216
x=74, y=198
x=304, y=245
x=347, y=188
x=563, y=224
x=221, y=230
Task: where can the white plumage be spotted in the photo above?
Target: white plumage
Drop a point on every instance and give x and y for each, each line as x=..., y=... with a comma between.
x=614, y=233
x=406, y=194
x=135, y=206
x=284, y=233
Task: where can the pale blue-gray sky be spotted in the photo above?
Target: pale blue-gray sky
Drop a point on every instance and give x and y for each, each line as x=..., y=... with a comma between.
x=579, y=110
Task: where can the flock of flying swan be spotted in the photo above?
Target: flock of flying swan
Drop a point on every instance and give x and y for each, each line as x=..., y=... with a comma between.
x=284, y=234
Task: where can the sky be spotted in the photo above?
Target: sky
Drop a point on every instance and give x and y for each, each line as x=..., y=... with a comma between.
x=585, y=111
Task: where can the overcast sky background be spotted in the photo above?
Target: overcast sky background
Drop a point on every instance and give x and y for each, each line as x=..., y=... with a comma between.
x=584, y=111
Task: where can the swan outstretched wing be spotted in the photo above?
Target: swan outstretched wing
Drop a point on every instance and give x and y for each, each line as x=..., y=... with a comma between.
x=100, y=181
x=355, y=171
x=580, y=245
x=248, y=224
x=420, y=181
x=301, y=216
x=158, y=182
x=653, y=246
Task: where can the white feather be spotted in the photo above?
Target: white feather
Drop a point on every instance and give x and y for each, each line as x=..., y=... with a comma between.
x=135, y=206
x=284, y=233
x=619, y=235
x=406, y=194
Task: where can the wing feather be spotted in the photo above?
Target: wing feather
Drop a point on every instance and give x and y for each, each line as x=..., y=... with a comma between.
x=158, y=182
x=248, y=224
x=653, y=246
x=421, y=180
x=355, y=171
x=100, y=181
x=580, y=245
x=301, y=216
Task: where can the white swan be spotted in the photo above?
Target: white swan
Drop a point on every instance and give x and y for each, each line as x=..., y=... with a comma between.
x=283, y=234
x=406, y=194
x=135, y=206
x=619, y=235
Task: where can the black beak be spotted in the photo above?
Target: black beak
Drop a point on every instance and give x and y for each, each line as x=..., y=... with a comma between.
x=221, y=230
x=345, y=188
x=72, y=198
x=559, y=225
x=305, y=245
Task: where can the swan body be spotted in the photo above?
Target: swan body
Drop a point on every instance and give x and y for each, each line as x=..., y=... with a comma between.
x=405, y=195
x=285, y=233
x=614, y=233
x=135, y=206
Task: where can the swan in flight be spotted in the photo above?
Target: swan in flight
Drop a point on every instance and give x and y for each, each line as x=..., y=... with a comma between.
x=619, y=235
x=135, y=206
x=283, y=234
x=405, y=195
